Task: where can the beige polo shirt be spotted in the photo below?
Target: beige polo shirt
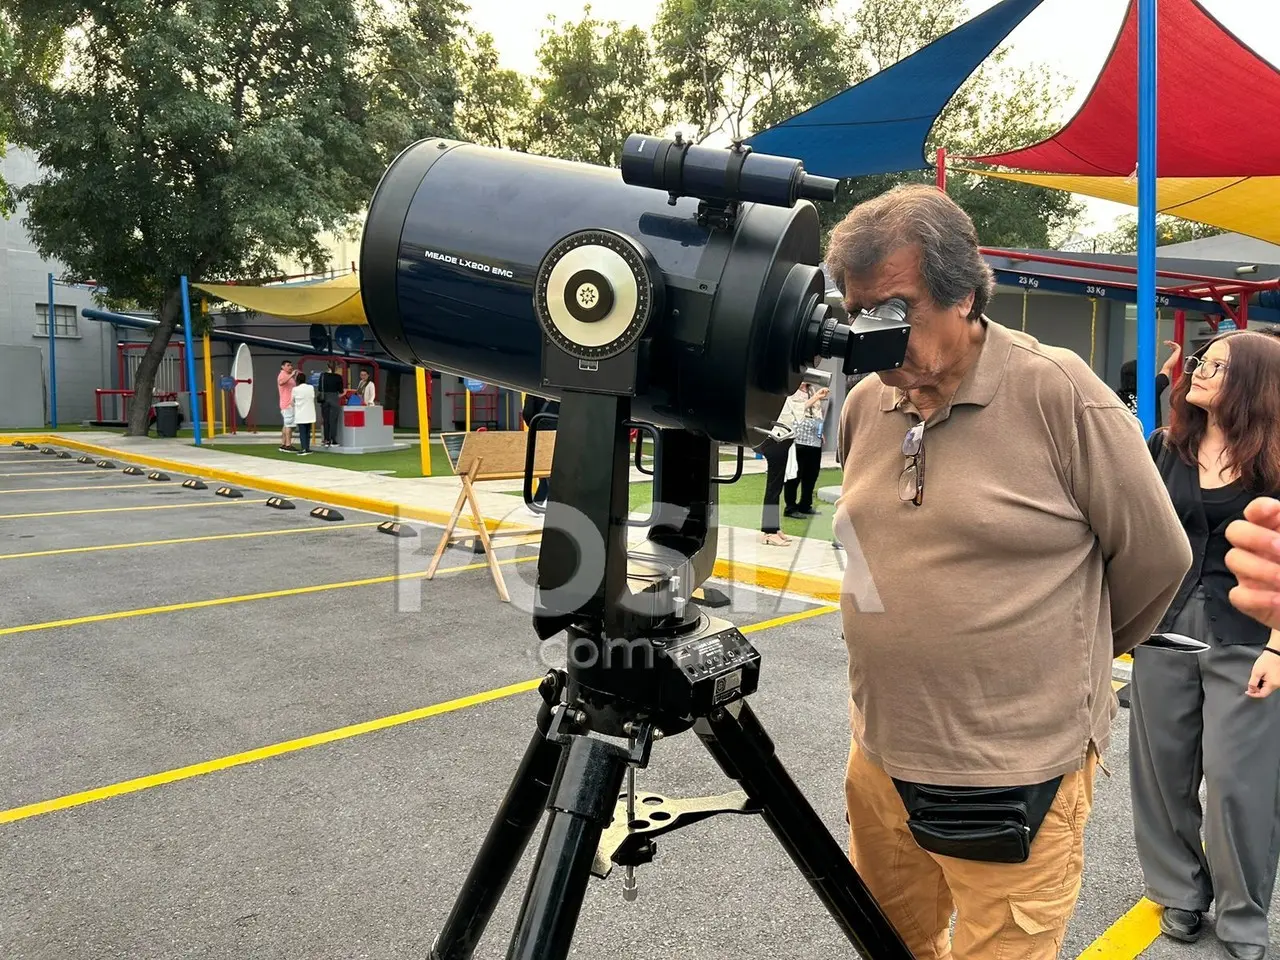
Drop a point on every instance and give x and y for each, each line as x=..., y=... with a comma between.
x=982, y=624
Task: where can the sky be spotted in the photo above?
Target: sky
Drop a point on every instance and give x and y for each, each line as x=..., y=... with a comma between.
x=1071, y=36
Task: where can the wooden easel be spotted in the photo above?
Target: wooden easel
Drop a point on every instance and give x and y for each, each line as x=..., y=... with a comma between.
x=490, y=455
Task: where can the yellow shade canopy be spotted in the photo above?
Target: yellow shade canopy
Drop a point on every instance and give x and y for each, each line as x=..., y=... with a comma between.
x=1246, y=205
x=335, y=301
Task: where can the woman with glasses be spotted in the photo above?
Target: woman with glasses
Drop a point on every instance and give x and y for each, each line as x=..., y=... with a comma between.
x=1197, y=717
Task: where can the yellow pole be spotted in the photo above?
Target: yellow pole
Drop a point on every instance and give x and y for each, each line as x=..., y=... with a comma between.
x=468, y=393
x=424, y=421
x=523, y=426
x=208, y=383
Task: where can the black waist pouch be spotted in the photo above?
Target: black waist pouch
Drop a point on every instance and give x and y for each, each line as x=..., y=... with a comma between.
x=990, y=824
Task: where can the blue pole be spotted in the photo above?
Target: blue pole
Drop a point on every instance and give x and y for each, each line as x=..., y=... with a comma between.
x=53, y=364
x=191, y=362
x=1147, y=100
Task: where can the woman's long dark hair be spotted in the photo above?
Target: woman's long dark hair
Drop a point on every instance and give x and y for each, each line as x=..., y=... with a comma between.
x=1247, y=410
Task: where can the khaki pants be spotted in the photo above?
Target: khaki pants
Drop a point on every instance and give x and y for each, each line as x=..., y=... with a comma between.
x=1004, y=911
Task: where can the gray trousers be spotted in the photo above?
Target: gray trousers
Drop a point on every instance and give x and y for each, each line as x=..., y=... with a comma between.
x=1190, y=719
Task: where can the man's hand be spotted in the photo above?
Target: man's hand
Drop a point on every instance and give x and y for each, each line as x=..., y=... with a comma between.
x=1255, y=561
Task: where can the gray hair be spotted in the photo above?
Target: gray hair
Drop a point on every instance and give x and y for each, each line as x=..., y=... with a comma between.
x=923, y=217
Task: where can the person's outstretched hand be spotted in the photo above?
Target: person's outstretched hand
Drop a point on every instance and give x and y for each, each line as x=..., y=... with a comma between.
x=1171, y=365
x=1254, y=558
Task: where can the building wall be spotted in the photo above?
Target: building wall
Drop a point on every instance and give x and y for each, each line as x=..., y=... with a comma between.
x=1059, y=321
x=85, y=357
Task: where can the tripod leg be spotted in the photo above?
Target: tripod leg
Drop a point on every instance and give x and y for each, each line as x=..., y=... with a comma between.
x=744, y=751
x=506, y=841
x=586, y=793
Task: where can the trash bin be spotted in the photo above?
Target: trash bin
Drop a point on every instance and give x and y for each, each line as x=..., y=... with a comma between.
x=168, y=416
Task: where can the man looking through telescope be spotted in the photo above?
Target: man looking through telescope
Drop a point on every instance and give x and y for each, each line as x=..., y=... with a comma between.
x=1033, y=544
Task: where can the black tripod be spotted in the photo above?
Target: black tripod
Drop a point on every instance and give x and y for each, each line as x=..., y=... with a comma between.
x=641, y=666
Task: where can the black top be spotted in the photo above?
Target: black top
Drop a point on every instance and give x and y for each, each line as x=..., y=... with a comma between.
x=330, y=383
x=1129, y=396
x=1205, y=515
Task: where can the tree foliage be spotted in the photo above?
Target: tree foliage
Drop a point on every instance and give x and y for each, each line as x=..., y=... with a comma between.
x=493, y=103
x=1169, y=229
x=735, y=66
x=596, y=83
x=209, y=139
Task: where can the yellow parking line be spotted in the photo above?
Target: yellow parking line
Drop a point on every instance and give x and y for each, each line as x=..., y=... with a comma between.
x=1127, y=937
x=262, y=753
x=154, y=506
x=206, y=539
x=240, y=598
x=317, y=739
x=88, y=486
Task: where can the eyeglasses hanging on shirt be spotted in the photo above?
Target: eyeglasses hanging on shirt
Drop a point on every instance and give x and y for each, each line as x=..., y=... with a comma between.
x=911, y=480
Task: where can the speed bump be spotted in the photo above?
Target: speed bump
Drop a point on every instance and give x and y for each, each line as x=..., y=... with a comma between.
x=396, y=529
x=106, y=465
x=162, y=477
x=48, y=451
x=17, y=443
x=132, y=471
x=279, y=503
x=228, y=492
x=84, y=459
x=30, y=446
x=63, y=455
x=326, y=513
x=195, y=483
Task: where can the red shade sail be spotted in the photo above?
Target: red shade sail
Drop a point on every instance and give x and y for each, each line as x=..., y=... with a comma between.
x=1218, y=105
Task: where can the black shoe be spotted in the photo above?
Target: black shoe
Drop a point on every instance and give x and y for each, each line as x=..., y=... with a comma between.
x=1184, y=925
x=1246, y=951
x=795, y=514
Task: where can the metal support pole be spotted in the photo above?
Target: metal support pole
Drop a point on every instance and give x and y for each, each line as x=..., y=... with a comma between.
x=53, y=363
x=208, y=382
x=1147, y=127
x=942, y=169
x=1180, y=337
x=191, y=362
x=424, y=420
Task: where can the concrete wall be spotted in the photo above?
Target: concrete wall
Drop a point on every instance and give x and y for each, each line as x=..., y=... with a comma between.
x=85, y=358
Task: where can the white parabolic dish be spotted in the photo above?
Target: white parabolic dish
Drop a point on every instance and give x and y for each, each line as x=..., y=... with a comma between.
x=242, y=372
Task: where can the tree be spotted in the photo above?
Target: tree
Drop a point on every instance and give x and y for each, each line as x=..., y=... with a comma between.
x=1169, y=229
x=735, y=66
x=209, y=139
x=493, y=105
x=596, y=83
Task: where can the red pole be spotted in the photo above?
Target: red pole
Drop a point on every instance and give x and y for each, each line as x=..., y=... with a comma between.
x=1180, y=336
x=942, y=169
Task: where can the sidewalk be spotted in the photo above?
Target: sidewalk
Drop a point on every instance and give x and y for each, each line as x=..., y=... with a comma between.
x=809, y=567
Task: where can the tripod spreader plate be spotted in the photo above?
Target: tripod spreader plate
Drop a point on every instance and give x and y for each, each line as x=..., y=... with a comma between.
x=626, y=843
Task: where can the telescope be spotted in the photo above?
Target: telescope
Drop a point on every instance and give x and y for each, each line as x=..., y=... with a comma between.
x=680, y=297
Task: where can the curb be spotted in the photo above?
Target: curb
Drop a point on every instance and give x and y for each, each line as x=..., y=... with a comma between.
x=747, y=574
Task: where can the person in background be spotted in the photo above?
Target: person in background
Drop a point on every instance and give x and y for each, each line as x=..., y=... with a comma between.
x=811, y=415
x=1199, y=717
x=331, y=402
x=366, y=388
x=1015, y=537
x=1129, y=380
x=304, y=412
x=285, y=383
x=775, y=450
